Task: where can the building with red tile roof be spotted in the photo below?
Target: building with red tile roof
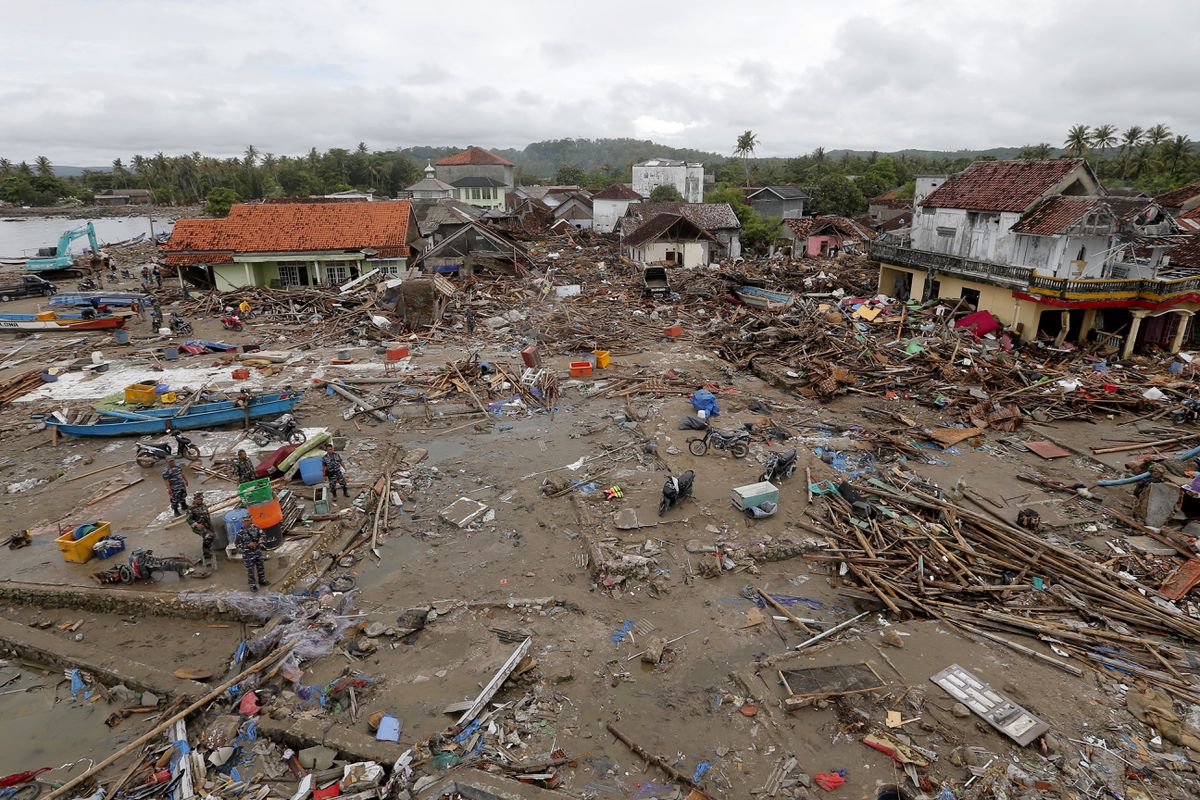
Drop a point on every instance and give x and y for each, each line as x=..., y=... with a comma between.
x=1184, y=198
x=480, y=177
x=296, y=244
x=1012, y=186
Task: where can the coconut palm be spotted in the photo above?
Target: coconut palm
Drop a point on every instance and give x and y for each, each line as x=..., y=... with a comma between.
x=44, y=167
x=24, y=170
x=1078, y=140
x=1177, y=151
x=6, y=168
x=1157, y=134
x=1130, y=139
x=120, y=174
x=746, y=142
x=1104, y=137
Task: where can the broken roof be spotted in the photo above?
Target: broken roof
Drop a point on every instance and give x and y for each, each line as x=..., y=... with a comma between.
x=1178, y=198
x=709, y=216
x=811, y=226
x=474, y=156
x=662, y=222
x=468, y=239
x=1055, y=215
x=618, y=191
x=1002, y=185
x=292, y=228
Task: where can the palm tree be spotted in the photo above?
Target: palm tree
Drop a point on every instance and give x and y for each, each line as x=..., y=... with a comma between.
x=24, y=170
x=44, y=167
x=120, y=174
x=818, y=155
x=1078, y=139
x=1157, y=135
x=746, y=142
x=1177, y=151
x=1104, y=137
x=1130, y=139
x=6, y=168
x=1144, y=162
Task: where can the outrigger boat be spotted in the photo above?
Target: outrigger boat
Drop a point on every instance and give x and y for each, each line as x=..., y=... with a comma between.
x=60, y=321
x=761, y=298
x=156, y=420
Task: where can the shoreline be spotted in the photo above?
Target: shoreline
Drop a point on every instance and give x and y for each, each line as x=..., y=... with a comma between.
x=19, y=213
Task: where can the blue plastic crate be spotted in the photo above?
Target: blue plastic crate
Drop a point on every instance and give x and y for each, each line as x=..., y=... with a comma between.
x=109, y=546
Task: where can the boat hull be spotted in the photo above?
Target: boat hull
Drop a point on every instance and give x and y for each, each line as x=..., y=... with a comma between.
x=10, y=325
x=762, y=299
x=210, y=415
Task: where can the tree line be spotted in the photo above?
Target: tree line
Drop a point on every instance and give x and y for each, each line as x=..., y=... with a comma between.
x=1152, y=159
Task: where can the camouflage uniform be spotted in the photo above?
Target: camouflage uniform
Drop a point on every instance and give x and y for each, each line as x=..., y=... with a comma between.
x=174, y=478
x=243, y=469
x=201, y=521
x=335, y=472
x=250, y=542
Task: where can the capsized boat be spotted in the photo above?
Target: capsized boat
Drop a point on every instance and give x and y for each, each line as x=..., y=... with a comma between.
x=762, y=298
x=203, y=415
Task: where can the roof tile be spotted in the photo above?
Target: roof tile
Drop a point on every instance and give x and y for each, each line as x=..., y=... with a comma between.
x=1001, y=185
x=475, y=156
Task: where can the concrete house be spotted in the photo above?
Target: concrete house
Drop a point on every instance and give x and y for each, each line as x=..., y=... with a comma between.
x=609, y=205
x=716, y=219
x=124, y=197
x=576, y=210
x=785, y=202
x=296, y=244
x=887, y=206
x=479, y=177
x=670, y=238
x=687, y=178
x=820, y=237
x=1042, y=246
x=1180, y=200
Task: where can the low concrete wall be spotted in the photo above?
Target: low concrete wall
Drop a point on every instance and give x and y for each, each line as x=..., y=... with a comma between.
x=54, y=651
x=113, y=600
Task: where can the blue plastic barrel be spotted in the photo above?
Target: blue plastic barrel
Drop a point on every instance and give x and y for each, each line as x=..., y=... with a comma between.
x=234, y=522
x=310, y=471
x=120, y=336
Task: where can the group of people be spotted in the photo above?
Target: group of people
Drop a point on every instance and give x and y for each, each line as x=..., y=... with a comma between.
x=250, y=539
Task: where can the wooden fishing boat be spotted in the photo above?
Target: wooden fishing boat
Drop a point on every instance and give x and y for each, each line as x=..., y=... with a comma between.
x=203, y=415
x=763, y=299
x=60, y=321
x=110, y=299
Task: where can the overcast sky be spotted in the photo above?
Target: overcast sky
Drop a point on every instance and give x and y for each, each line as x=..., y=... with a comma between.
x=85, y=81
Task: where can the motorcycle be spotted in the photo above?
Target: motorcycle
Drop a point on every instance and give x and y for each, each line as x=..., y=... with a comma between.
x=144, y=565
x=231, y=322
x=284, y=429
x=781, y=465
x=148, y=455
x=180, y=325
x=1188, y=411
x=87, y=285
x=677, y=489
x=736, y=442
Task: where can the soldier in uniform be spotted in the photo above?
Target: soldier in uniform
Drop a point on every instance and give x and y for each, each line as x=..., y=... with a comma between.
x=176, y=483
x=334, y=470
x=201, y=521
x=243, y=468
x=250, y=543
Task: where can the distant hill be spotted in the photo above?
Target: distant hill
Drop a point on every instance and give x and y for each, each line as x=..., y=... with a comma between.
x=1000, y=153
x=74, y=172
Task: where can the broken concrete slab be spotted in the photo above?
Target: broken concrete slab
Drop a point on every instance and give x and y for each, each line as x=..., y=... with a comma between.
x=1157, y=504
x=483, y=786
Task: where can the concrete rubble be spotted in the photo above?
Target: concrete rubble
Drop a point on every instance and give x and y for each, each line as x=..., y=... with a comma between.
x=979, y=537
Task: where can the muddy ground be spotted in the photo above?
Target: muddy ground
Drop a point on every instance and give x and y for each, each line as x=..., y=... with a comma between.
x=686, y=708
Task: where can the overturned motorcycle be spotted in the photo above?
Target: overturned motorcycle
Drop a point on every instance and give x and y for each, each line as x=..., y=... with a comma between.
x=677, y=489
x=144, y=565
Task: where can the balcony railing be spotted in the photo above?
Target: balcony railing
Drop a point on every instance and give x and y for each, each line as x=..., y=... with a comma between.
x=1153, y=290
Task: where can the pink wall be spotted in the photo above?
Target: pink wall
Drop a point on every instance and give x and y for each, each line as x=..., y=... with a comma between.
x=817, y=243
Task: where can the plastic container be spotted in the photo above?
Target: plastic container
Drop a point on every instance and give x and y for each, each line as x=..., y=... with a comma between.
x=397, y=353
x=141, y=394
x=97, y=357
x=170, y=353
x=603, y=358
x=49, y=377
x=234, y=522
x=264, y=515
x=254, y=492
x=580, y=369
x=272, y=535
x=167, y=398
x=310, y=471
x=106, y=548
x=79, y=551
x=241, y=374
x=674, y=331
x=120, y=336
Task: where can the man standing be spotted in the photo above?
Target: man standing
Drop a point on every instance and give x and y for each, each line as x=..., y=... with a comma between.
x=334, y=470
x=176, y=483
x=243, y=468
x=156, y=318
x=201, y=521
x=250, y=543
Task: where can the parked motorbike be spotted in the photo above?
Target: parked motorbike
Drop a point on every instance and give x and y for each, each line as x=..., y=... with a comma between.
x=148, y=455
x=284, y=429
x=780, y=466
x=736, y=442
x=87, y=285
x=231, y=322
x=1188, y=411
x=677, y=489
x=180, y=325
x=144, y=565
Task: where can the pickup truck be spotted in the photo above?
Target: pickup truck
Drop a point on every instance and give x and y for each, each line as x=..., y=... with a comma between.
x=654, y=282
x=25, y=286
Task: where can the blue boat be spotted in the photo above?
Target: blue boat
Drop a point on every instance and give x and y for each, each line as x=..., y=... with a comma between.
x=110, y=299
x=761, y=298
x=204, y=415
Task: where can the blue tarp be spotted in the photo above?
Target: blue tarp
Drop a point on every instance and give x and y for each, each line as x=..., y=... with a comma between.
x=704, y=400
